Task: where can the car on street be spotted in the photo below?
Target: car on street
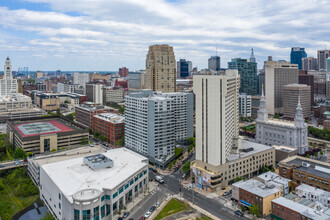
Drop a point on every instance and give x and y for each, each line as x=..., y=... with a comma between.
x=239, y=213
x=157, y=204
x=17, y=162
x=226, y=193
x=126, y=214
x=142, y=218
x=147, y=214
x=159, y=179
x=152, y=208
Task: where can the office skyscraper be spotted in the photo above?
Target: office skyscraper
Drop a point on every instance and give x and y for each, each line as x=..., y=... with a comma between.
x=182, y=68
x=161, y=69
x=248, y=73
x=278, y=74
x=296, y=56
x=123, y=72
x=309, y=63
x=217, y=115
x=214, y=63
x=8, y=85
x=322, y=56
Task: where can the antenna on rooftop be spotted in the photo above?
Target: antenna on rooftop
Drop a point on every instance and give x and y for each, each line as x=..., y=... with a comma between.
x=216, y=49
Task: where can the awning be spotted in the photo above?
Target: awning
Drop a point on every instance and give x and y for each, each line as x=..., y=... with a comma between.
x=245, y=203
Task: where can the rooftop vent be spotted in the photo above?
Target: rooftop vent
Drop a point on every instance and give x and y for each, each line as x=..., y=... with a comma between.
x=98, y=161
x=304, y=164
x=247, y=149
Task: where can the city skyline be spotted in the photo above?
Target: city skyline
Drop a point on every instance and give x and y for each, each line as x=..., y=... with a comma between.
x=75, y=35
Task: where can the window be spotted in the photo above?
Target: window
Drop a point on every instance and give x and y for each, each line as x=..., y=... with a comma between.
x=126, y=186
x=107, y=197
x=115, y=195
x=114, y=206
x=103, y=211
x=59, y=205
x=108, y=209
x=86, y=214
x=76, y=214
x=96, y=213
x=121, y=190
x=140, y=184
x=59, y=196
x=136, y=188
x=102, y=198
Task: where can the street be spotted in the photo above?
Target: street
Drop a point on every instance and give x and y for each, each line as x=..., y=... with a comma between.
x=172, y=186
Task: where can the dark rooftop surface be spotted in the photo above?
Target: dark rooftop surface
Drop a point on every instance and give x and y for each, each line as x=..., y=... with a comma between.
x=313, y=168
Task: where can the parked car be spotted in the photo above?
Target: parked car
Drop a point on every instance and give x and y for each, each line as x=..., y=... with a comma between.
x=157, y=204
x=142, y=218
x=126, y=214
x=226, y=193
x=239, y=213
x=152, y=208
x=147, y=214
x=159, y=179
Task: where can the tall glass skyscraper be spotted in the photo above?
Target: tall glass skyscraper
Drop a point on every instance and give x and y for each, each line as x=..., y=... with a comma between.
x=296, y=56
x=182, y=68
x=248, y=73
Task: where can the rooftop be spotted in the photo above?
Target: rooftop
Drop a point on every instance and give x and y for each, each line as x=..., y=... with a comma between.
x=42, y=126
x=316, y=168
x=72, y=175
x=110, y=117
x=302, y=209
x=274, y=178
x=256, y=187
x=284, y=148
x=250, y=148
x=315, y=191
x=90, y=106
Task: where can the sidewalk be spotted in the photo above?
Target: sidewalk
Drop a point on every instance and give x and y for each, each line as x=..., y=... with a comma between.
x=151, y=186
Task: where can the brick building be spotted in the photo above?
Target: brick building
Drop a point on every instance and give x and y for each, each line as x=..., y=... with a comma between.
x=308, y=171
x=85, y=112
x=109, y=125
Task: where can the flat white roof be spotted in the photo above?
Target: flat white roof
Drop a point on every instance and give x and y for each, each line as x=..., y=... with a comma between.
x=313, y=190
x=256, y=187
x=111, y=117
x=304, y=210
x=73, y=175
x=274, y=178
x=257, y=148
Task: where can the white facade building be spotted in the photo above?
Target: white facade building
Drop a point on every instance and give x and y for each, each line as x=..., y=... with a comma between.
x=94, y=93
x=8, y=85
x=314, y=194
x=90, y=187
x=154, y=122
x=216, y=115
x=66, y=87
x=81, y=78
x=245, y=105
x=280, y=132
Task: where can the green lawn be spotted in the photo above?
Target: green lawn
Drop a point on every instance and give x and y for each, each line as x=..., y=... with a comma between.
x=204, y=218
x=16, y=192
x=172, y=207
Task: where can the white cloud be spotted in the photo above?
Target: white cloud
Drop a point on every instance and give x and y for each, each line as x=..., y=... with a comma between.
x=120, y=31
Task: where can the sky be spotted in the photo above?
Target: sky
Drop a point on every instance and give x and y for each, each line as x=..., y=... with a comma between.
x=104, y=35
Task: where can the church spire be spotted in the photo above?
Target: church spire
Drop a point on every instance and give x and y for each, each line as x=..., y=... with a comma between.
x=299, y=118
x=262, y=112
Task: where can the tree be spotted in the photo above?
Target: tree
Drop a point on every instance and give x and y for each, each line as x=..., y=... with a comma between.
x=178, y=151
x=291, y=186
x=191, y=141
x=84, y=141
x=90, y=130
x=315, y=154
x=243, y=208
x=122, y=110
x=307, y=156
x=254, y=210
x=19, y=153
x=102, y=138
x=170, y=166
x=239, y=178
x=96, y=134
x=186, y=167
x=321, y=152
x=66, y=102
x=53, y=150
